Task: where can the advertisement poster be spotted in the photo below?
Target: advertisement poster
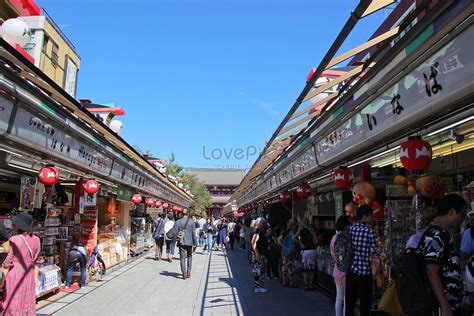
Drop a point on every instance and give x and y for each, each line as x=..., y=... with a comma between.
x=89, y=228
x=27, y=192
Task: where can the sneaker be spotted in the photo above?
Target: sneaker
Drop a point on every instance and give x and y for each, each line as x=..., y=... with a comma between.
x=260, y=290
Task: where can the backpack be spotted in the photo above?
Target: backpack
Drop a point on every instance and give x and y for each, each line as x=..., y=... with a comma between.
x=413, y=286
x=343, y=251
x=288, y=247
x=181, y=234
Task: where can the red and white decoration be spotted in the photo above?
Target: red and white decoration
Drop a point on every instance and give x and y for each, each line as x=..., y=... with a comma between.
x=149, y=202
x=157, y=204
x=285, y=197
x=166, y=205
x=136, y=198
x=343, y=178
x=415, y=154
x=49, y=175
x=91, y=187
x=303, y=191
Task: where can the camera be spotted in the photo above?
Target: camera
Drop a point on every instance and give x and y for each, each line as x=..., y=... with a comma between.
x=458, y=138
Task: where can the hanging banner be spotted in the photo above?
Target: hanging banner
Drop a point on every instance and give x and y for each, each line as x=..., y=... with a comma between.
x=36, y=131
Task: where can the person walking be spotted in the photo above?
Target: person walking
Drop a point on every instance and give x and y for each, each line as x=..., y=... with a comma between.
x=288, y=253
x=20, y=268
x=202, y=235
x=207, y=233
x=231, y=233
x=442, y=262
x=308, y=257
x=186, y=241
x=77, y=254
x=249, y=229
x=260, y=255
x=158, y=235
x=342, y=227
x=359, y=279
x=223, y=235
x=243, y=230
x=170, y=234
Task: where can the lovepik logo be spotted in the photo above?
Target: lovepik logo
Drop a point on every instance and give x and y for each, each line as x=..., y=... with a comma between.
x=230, y=153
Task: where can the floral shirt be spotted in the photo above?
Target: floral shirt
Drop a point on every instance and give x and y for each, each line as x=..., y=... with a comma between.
x=438, y=248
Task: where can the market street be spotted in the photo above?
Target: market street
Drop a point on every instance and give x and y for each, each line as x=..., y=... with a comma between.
x=220, y=285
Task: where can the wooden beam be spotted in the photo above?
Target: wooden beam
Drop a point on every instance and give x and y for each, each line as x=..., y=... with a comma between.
x=297, y=123
x=377, y=5
x=334, y=82
x=294, y=131
x=363, y=47
x=312, y=105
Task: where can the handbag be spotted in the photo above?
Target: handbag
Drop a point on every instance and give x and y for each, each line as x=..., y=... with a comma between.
x=389, y=303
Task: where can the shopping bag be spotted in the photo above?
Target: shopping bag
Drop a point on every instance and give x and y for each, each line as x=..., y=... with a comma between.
x=389, y=302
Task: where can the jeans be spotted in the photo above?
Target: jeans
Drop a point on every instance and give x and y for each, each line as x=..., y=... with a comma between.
x=208, y=242
x=170, y=245
x=75, y=257
x=201, y=239
x=339, y=305
x=214, y=242
x=358, y=287
x=186, y=256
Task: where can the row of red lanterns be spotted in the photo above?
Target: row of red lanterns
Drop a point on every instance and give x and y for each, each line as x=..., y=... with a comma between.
x=49, y=176
x=137, y=199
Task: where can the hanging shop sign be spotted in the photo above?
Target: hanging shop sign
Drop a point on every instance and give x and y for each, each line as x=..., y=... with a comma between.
x=6, y=107
x=27, y=192
x=90, y=199
x=124, y=193
x=305, y=162
x=414, y=97
x=37, y=132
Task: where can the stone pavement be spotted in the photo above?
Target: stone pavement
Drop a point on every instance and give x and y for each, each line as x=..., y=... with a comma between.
x=221, y=284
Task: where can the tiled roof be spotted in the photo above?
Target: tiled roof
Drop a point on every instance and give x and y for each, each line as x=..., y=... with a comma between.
x=218, y=176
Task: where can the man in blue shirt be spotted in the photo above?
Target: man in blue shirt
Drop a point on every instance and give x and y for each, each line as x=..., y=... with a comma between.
x=359, y=279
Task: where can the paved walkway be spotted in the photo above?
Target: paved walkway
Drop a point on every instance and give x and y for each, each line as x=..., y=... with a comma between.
x=221, y=285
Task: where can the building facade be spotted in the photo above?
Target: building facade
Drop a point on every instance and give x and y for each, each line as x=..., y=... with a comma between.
x=221, y=184
x=52, y=51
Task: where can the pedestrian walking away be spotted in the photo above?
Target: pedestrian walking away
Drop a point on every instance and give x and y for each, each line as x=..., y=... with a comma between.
x=158, y=235
x=359, y=278
x=231, y=233
x=260, y=255
x=170, y=235
x=187, y=239
x=342, y=229
x=20, y=268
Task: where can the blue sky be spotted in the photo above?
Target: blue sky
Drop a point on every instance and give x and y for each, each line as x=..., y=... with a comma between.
x=201, y=78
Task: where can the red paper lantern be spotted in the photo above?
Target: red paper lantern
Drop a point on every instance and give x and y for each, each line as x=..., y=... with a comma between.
x=157, y=204
x=303, y=191
x=415, y=154
x=91, y=187
x=343, y=178
x=165, y=205
x=49, y=175
x=149, y=202
x=136, y=198
x=285, y=197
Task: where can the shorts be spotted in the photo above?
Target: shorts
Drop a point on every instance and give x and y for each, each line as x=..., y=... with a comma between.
x=288, y=266
x=308, y=260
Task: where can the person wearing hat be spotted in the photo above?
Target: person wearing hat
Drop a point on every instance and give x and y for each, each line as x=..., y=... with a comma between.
x=20, y=268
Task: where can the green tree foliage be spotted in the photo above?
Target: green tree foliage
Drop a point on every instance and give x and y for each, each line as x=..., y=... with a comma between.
x=202, y=197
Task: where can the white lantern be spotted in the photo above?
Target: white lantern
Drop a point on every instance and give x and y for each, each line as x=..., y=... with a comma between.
x=16, y=31
x=116, y=126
